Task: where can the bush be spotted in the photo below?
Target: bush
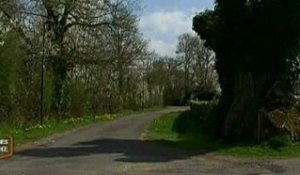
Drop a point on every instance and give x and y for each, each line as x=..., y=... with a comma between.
x=204, y=113
x=203, y=109
x=200, y=116
x=77, y=100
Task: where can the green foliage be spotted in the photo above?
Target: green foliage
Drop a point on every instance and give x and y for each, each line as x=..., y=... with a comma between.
x=162, y=128
x=60, y=87
x=28, y=89
x=77, y=100
x=205, y=112
x=187, y=123
x=181, y=130
x=203, y=108
x=87, y=70
x=7, y=64
x=11, y=65
x=257, y=45
x=48, y=90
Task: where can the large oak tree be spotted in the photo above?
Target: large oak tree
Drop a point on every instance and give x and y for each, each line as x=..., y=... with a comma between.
x=257, y=47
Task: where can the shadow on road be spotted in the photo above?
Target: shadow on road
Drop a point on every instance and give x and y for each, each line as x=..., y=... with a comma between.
x=130, y=150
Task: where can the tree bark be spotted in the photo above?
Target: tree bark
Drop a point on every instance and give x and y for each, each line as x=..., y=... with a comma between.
x=59, y=67
x=246, y=116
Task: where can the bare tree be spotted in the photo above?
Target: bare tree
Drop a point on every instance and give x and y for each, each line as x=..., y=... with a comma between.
x=61, y=18
x=198, y=65
x=96, y=59
x=186, y=50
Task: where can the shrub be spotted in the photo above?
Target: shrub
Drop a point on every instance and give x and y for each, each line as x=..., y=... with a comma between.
x=203, y=109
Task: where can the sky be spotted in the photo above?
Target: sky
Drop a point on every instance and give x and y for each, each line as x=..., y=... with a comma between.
x=162, y=21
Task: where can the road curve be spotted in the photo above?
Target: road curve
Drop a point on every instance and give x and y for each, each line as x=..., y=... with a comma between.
x=115, y=148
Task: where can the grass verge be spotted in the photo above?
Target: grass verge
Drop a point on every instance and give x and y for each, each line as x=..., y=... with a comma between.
x=23, y=135
x=180, y=130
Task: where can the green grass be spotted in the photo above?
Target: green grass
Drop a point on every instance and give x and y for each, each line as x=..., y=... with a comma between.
x=277, y=147
x=23, y=135
x=182, y=130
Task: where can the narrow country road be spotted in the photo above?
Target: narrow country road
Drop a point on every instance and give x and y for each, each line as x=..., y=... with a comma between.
x=115, y=148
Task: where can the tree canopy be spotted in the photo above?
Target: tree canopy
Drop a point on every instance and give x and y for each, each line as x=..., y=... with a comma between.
x=257, y=48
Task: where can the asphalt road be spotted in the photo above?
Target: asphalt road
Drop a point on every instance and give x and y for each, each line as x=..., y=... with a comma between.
x=115, y=148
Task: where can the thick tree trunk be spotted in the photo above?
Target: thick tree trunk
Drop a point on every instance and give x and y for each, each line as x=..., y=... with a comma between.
x=245, y=117
x=237, y=120
x=59, y=67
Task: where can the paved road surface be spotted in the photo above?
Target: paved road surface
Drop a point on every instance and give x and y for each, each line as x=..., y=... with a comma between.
x=115, y=148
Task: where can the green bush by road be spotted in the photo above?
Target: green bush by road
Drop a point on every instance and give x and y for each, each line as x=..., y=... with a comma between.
x=186, y=131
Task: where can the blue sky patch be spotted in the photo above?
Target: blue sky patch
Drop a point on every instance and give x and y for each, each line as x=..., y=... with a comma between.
x=163, y=20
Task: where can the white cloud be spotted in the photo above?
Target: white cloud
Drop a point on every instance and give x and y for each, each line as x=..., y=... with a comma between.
x=164, y=22
x=163, y=28
x=161, y=47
